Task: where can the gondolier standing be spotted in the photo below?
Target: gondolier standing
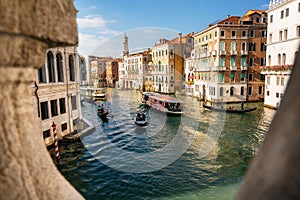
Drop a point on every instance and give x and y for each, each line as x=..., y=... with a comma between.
x=242, y=106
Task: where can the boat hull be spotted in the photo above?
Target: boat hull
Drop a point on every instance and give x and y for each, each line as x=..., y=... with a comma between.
x=141, y=123
x=102, y=115
x=163, y=103
x=229, y=110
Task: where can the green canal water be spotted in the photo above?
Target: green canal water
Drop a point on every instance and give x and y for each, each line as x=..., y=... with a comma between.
x=207, y=156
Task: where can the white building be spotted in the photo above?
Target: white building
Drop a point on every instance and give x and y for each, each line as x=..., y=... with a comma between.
x=132, y=70
x=56, y=96
x=282, y=45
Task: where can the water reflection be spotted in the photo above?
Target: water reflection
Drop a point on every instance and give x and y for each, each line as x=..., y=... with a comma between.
x=190, y=176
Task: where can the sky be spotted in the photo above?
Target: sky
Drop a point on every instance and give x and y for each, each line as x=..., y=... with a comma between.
x=102, y=23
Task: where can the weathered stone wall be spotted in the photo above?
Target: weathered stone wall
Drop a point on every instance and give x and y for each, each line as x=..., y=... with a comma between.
x=27, y=29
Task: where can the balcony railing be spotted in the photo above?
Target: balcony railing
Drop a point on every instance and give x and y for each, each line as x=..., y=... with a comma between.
x=222, y=52
x=233, y=53
x=221, y=68
x=233, y=68
x=244, y=67
x=203, y=55
x=190, y=82
x=276, y=68
x=244, y=52
x=214, y=53
x=218, y=68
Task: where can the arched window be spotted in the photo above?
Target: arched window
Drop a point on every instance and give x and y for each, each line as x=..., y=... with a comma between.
x=42, y=74
x=71, y=68
x=221, y=91
x=59, y=68
x=279, y=59
x=269, y=60
x=222, y=46
x=251, y=46
x=242, y=91
x=244, y=46
x=231, y=91
x=159, y=66
x=233, y=46
x=50, y=65
x=283, y=59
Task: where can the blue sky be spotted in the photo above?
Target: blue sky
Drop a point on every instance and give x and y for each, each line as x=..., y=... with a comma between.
x=103, y=22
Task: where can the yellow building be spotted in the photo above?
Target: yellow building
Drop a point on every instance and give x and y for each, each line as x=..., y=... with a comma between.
x=168, y=63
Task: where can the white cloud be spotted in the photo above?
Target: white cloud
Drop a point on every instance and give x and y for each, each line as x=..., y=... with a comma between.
x=93, y=30
x=91, y=21
x=87, y=43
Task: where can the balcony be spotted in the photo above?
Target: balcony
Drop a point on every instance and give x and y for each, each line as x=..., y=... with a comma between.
x=244, y=67
x=222, y=53
x=203, y=55
x=276, y=68
x=189, y=82
x=221, y=68
x=233, y=68
x=233, y=53
x=214, y=53
x=244, y=52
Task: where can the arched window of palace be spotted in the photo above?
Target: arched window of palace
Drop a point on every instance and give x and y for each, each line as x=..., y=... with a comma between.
x=231, y=91
x=50, y=66
x=71, y=68
x=59, y=68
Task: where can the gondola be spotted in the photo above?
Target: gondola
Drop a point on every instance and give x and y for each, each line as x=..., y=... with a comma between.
x=141, y=119
x=229, y=110
x=102, y=115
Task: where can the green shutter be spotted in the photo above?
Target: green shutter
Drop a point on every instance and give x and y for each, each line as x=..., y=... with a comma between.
x=221, y=77
x=243, y=61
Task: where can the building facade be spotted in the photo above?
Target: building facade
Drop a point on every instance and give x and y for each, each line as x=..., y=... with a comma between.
x=56, y=95
x=133, y=70
x=228, y=56
x=112, y=69
x=282, y=46
x=97, y=67
x=168, y=63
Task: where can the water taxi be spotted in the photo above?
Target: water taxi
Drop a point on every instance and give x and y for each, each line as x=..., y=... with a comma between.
x=98, y=94
x=163, y=103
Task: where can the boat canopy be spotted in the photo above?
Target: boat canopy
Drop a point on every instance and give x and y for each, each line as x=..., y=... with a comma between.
x=161, y=97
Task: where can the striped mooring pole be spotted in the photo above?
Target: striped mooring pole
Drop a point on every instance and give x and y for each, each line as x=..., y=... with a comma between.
x=55, y=141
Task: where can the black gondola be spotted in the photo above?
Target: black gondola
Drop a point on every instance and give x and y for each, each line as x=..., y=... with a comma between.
x=141, y=119
x=229, y=110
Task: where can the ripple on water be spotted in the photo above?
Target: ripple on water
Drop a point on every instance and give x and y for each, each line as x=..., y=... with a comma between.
x=215, y=176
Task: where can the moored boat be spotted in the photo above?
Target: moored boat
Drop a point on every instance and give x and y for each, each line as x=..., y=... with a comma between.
x=229, y=110
x=163, y=103
x=99, y=94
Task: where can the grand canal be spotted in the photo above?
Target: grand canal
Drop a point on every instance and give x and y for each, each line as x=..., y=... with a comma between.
x=206, y=157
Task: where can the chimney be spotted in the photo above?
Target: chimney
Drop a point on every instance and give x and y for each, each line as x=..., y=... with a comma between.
x=179, y=37
x=228, y=16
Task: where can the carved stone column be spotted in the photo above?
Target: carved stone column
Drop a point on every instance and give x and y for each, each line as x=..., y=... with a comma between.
x=27, y=29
